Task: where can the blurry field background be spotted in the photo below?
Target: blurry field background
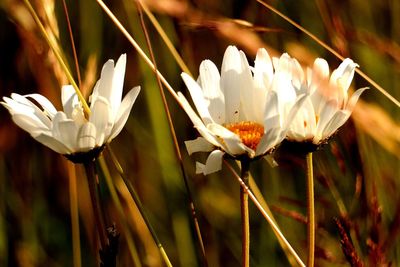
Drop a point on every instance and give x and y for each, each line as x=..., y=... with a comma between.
x=356, y=175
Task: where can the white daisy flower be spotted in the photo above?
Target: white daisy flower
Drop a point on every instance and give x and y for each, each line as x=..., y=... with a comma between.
x=328, y=106
x=68, y=132
x=240, y=113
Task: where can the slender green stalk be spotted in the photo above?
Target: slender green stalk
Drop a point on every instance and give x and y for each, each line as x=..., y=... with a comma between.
x=175, y=139
x=118, y=205
x=310, y=211
x=266, y=216
x=73, y=201
x=58, y=56
x=97, y=212
x=140, y=207
x=244, y=208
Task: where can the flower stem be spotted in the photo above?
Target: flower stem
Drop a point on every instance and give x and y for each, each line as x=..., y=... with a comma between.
x=244, y=208
x=73, y=196
x=310, y=211
x=91, y=177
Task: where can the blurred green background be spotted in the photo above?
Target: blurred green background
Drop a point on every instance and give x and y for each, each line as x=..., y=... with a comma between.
x=357, y=174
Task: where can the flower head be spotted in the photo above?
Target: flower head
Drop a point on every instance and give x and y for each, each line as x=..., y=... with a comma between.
x=69, y=132
x=239, y=109
x=327, y=106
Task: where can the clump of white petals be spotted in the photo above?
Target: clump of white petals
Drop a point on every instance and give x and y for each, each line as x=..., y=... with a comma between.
x=68, y=132
x=261, y=95
x=328, y=105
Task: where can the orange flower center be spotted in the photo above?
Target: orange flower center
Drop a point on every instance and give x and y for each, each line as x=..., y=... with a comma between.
x=249, y=132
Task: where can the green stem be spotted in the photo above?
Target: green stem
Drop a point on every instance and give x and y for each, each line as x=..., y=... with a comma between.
x=73, y=198
x=310, y=211
x=140, y=207
x=91, y=177
x=244, y=208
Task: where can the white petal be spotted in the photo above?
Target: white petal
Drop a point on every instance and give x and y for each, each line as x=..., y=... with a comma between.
x=28, y=123
x=45, y=103
x=234, y=145
x=209, y=79
x=117, y=85
x=69, y=99
x=231, y=83
x=248, y=94
x=197, y=122
x=66, y=131
x=269, y=140
x=48, y=140
x=214, y=162
x=198, y=98
x=87, y=137
x=101, y=118
x=35, y=111
x=104, y=84
x=263, y=71
x=123, y=112
x=341, y=79
x=354, y=98
x=328, y=111
x=293, y=111
x=199, y=144
x=335, y=123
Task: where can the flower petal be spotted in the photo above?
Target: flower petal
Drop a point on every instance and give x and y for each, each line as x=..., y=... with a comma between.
x=213, y=163
x=269, y=141
x=233, y=144
x=45, y=103
x=232, y=83
x=209, y=80
x=199, y=101
x=48, y=140
x=354, y=98
x=104, y=86
x=69, y=99
x=117, y=85
x=123, y=112
x=197, y=122
x=199, y=144
x=86, y=137
x=101, y=118
x=263, y=70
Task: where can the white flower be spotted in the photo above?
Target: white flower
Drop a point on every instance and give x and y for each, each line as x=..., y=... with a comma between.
x=68, y=132
x=328, y=106
x=239, y=110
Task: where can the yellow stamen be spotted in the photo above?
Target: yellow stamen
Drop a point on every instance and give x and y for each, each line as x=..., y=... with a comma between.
x=249, y=132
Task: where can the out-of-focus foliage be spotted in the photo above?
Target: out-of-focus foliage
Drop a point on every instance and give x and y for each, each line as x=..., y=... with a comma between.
x=357, y=174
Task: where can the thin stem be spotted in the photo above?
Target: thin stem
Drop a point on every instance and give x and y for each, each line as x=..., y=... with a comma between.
x=310, y=211
x=327, y=47
x=175, y=139
x=71, y=36
x=118, y=205
x=91, y=177
x=73, y=202
x=139, y=205
x=244, y=208
x=58, y=56
x=266, y=216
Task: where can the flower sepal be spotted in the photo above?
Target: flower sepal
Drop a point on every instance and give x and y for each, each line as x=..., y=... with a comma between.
x=85, y=157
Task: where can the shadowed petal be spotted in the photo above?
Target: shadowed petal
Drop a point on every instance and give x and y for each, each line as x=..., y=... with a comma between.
x=69, y=99
x=354, y=98
x=234, y=145
x=199, y=144
x=213, y=163
x=269, y=140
